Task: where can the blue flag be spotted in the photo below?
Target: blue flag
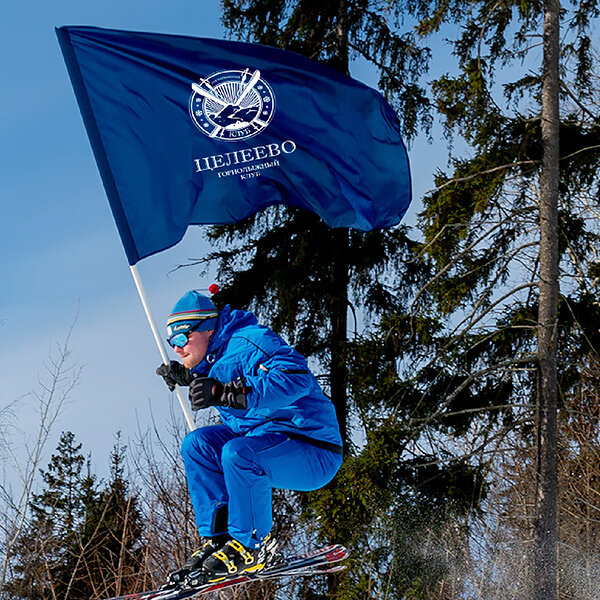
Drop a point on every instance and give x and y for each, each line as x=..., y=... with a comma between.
x=197, y=131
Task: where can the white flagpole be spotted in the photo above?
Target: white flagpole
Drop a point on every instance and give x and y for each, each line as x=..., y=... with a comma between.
x=187, y=413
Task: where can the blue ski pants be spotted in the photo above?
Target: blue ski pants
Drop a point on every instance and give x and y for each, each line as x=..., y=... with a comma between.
x=224, y=469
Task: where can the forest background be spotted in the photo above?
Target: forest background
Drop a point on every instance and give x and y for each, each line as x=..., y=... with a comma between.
x=427, y=337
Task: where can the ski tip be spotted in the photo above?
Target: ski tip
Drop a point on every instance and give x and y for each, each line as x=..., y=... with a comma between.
x=337, y=553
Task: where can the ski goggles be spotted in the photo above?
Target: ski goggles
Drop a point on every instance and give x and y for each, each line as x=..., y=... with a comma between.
x=181, y=338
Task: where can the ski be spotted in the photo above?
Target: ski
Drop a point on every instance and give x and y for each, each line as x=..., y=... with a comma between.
x=318, y=562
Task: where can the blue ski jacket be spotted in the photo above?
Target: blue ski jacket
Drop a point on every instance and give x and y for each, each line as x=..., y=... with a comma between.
x=285, y=397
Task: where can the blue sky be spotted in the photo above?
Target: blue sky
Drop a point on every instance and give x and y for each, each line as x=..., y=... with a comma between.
x=61, y=257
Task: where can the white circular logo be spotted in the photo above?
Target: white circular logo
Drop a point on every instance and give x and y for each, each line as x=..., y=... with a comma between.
x=232, y=105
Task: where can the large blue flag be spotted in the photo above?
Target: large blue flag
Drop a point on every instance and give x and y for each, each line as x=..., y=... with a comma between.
x=195, y=131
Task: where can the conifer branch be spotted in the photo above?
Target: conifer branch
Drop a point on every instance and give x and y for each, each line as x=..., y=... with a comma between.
x=580, y=151
x=451, y=263
x=512, y=165
x=421, y=424
x=499, y=436
x=577, y=101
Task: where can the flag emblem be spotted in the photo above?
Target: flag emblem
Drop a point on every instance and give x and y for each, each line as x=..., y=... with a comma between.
x=232, y=105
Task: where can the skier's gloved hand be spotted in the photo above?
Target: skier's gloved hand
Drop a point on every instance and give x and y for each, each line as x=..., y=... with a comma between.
x=175, y=373
x=206, y=391
x=234, y=394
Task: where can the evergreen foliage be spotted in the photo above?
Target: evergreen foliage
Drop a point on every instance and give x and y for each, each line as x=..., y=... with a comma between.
x=82, y=539
x=46, y=562
x=112, y=533
x=493, y=230
x=481, y=223
x=336, y=31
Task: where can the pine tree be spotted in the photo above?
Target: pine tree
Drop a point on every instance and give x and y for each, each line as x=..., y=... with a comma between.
x=82, y=540
x=45, y=561
x=111, y=535
x=500, y=225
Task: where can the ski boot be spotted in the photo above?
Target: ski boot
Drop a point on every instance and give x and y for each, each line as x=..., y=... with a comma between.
x=234, y=559
x=208, y=546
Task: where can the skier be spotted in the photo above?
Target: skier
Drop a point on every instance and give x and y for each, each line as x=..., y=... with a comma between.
x=278, y=430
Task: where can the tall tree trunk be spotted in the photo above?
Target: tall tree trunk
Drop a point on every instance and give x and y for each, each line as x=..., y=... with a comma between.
x=545, y=527
x=339, y=328
x=341, y=270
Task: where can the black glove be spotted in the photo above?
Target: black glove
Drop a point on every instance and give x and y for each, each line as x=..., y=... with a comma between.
x=234, y=394
x=175, y=373
x=206, y=391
